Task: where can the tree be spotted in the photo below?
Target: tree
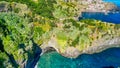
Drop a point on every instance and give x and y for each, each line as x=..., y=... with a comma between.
x=15, y=30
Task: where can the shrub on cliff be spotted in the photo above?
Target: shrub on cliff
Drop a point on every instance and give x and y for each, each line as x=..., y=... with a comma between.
x=15, y=31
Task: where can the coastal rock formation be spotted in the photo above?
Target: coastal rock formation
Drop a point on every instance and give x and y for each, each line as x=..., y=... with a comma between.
x=72, y=52
x=103, y=44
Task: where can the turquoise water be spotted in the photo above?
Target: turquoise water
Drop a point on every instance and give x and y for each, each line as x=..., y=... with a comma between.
x=116, y=2
x=109, y=58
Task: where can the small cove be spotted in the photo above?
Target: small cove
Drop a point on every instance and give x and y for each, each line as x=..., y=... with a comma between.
x=105, y=59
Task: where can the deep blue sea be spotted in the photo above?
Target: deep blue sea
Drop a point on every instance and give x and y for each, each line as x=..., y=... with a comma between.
x=112, y=17
x=109, y=58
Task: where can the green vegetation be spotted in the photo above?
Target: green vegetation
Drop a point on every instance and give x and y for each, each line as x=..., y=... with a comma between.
x=15, y=31
x=25, y=21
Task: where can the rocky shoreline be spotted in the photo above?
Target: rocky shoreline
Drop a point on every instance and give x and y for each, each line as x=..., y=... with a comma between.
x=72, y=52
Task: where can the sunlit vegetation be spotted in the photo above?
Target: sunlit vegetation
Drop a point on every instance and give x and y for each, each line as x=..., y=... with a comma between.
x=24, y=21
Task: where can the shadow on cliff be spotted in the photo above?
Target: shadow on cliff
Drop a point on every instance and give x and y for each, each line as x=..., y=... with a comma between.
x=34, y=57
x=10, y=56
x=30, y=62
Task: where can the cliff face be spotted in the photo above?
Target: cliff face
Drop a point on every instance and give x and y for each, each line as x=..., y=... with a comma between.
x=73, y=52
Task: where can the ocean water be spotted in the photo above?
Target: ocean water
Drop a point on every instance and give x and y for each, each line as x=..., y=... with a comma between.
x=116, y=2
x=109, y=58
x=110, y=17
